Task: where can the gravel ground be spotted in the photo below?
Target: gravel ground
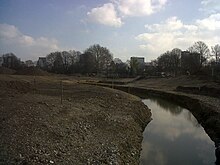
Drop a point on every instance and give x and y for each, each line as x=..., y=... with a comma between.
x=94, y=125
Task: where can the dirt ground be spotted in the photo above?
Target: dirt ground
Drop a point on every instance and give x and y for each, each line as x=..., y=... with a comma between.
x=172, y=83
x=93, y=125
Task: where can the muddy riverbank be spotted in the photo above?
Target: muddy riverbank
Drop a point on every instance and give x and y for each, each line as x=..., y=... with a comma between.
x=94, y=125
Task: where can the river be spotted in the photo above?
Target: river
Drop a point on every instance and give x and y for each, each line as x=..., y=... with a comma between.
x=174, y=137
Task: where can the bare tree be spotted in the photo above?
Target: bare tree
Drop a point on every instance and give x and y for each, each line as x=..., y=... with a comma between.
x=164, y=62
x=201, y=48
x=67, y=59
x=58, y=65
x=55, y=62
x=87, y=63
x=216, y=52
x=75, y=56
x=102, y=55
x=190, y=62
x=63, y=62
x=170, y=61
x=50, y=58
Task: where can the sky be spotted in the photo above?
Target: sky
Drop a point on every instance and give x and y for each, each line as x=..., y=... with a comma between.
x=141, y=28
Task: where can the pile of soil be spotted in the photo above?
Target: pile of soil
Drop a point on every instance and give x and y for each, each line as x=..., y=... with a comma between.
x=32, y=71
x=4, y=70
x=93, y=125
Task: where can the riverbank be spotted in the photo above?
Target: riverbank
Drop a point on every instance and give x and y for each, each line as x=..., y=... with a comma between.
x=93, y=125
x=205, y=105
x=206, y=109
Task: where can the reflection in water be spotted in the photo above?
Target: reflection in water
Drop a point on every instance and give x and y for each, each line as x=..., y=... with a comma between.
x=172, y=108
x=174, y=137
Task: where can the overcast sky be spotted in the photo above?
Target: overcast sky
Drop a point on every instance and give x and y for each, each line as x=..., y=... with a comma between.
x=144, y=28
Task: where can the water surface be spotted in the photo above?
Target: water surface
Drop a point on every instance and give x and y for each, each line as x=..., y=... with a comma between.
x=174, y=137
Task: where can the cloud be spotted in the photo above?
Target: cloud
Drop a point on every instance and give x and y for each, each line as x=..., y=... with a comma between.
x=171, y=24
x=152, y=153
x=111, y=14
x=9, y=33
x=105, y=15
x=210, y=6
x=27, y=47
x=210, y=23
x=139, y=7
x=173, y=33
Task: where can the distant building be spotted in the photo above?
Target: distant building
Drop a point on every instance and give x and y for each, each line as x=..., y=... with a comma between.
x=42, y=62
x=11, y=61
x=140, y=60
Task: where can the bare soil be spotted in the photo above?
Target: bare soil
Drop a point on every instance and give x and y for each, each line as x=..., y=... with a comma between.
x=93, y=125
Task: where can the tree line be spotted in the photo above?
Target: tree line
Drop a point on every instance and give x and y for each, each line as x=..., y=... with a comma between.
x=196, y=59
x=95, y=59
x=99, y=60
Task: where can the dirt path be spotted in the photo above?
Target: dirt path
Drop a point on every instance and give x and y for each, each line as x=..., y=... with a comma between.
x=94, y=125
